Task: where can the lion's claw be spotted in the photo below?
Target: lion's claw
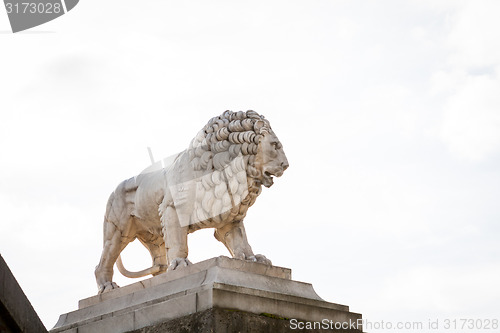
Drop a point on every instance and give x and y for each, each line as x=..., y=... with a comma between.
x=107, y=286
x=262, y=259
x=255, y=258
x=178, y=262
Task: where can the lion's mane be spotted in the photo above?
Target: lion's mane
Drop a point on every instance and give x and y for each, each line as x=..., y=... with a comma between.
x=222, y=156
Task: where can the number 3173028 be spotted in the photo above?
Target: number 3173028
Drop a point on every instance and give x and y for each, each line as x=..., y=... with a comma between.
x=33, y=8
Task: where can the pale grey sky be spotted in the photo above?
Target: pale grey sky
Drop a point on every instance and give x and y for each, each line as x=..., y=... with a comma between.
x=389, y=113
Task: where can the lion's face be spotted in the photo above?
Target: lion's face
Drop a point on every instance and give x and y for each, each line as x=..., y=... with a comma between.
x=271, y=159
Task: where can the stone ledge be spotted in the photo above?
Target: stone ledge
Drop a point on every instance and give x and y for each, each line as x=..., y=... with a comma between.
x=222, y=261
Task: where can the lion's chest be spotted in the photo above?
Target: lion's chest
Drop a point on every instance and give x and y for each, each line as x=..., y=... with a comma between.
x=216, y=210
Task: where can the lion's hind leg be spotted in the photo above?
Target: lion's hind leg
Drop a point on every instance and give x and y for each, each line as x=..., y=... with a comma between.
x=114, y=244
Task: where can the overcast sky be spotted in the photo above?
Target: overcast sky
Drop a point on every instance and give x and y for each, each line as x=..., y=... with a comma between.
x=388, y=111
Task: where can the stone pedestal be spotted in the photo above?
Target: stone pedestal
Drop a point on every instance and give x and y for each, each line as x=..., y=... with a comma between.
x=216, y=295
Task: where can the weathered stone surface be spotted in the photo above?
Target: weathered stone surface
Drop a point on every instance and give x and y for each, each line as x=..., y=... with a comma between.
x=219, y=283
x=211, y=184
x=221, y=262
x=229, y=321
x=16, y=312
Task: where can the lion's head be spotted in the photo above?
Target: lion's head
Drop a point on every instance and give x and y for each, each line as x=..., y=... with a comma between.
x=245, y=134
x=233, y=155
x=270, y=159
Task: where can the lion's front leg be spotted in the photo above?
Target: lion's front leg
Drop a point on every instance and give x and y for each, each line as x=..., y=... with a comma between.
x=175, y=238
x=234, y=237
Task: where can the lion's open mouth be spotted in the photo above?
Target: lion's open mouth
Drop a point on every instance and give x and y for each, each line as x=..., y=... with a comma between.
x=267, y=180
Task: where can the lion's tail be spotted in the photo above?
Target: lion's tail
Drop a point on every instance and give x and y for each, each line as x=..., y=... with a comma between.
x=133, y=275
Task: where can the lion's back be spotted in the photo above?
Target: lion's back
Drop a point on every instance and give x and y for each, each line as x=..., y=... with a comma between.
x=137, y=199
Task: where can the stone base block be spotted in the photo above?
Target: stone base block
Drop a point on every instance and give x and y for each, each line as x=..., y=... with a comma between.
x=230, y=321
x=218, y=295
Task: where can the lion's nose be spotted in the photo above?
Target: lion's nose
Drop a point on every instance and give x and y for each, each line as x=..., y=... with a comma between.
x=284, y=165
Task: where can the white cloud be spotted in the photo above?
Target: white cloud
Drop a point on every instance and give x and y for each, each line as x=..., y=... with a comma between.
x=347, y=29
x=471, y=120
x=470, y=81
x=475, y=35
x=430, y=287
x=447, y=82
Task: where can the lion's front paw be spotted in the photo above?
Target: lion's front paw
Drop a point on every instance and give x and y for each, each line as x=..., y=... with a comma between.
x=257, y=258
x=262, y=259
x=107, y=286
x=178, y=262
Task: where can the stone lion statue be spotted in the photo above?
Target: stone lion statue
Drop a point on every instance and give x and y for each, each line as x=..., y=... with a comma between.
x=209, y=185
